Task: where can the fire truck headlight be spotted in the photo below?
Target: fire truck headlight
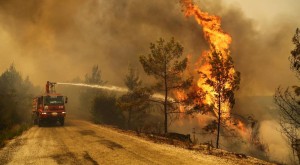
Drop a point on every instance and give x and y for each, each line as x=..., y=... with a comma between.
x=44, y=113
x=63, y=112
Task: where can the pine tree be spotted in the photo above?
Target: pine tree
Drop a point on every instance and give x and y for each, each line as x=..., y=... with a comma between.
x=288, y=101
x=224, y=82
x=164, y=62
x=136, y=100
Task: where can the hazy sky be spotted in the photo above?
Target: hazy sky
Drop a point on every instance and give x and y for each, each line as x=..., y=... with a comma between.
x=59, y=40
x=267, y=10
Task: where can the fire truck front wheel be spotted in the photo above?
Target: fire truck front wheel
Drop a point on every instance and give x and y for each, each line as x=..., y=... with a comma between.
x=34, y=120
x=62, y=121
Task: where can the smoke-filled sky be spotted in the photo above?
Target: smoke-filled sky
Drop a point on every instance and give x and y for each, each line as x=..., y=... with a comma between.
x=59, y=40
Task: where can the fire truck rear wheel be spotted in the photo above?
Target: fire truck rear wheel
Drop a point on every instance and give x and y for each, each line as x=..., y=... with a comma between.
x=39, y=122
x=34, y=121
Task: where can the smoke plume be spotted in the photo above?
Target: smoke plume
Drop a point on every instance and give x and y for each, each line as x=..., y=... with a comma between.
x=59, y=40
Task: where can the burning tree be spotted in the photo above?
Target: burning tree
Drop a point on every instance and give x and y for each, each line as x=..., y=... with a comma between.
x=223, y=84
x=288, y=102
x=218, y=79
x=165, y=65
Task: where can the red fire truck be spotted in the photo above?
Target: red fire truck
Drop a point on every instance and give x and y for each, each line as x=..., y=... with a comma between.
x=49, y=107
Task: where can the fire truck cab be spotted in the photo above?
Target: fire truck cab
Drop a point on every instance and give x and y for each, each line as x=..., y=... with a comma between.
x=49, y=107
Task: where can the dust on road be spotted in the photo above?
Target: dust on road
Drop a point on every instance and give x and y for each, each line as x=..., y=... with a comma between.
x=81, y=142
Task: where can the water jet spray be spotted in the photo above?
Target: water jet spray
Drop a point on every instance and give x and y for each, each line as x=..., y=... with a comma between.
x=111, y=88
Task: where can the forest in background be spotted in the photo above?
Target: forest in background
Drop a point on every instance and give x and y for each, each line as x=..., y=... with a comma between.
x=16, y=95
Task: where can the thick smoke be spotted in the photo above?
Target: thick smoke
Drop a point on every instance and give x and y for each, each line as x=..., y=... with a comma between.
x=59, y=40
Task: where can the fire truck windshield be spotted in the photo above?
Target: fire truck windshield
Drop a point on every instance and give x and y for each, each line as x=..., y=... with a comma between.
x=53, y=100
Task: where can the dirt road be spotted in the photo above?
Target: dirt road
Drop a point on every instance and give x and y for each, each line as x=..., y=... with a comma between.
x=80, y=142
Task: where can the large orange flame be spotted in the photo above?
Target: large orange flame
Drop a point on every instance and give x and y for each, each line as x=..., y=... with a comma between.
x=218, y=40
x=211, y=24
x=204, y=94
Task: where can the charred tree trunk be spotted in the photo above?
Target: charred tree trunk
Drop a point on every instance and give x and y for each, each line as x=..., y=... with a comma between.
x=165, y=111
x=296, y=148
x=166, y=98
x=219, y=120
x=129, y=119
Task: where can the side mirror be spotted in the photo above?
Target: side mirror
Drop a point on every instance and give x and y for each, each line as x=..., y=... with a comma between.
x=66, y=100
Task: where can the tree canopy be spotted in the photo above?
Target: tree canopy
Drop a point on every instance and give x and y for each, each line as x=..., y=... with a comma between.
x=165, y=63
x=224, y=81
x=295, y=53
x=15, y=98
x=288, y=101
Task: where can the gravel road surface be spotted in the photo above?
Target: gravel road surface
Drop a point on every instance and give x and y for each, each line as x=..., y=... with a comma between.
x=81, y=142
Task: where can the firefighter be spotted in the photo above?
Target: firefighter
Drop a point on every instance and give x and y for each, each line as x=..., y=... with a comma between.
x=47, y=87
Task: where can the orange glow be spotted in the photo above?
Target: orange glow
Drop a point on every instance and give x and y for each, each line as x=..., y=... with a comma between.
x=241, y=126
x=218, y=40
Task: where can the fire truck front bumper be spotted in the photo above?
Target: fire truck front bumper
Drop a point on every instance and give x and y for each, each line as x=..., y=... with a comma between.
x=52, y=115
